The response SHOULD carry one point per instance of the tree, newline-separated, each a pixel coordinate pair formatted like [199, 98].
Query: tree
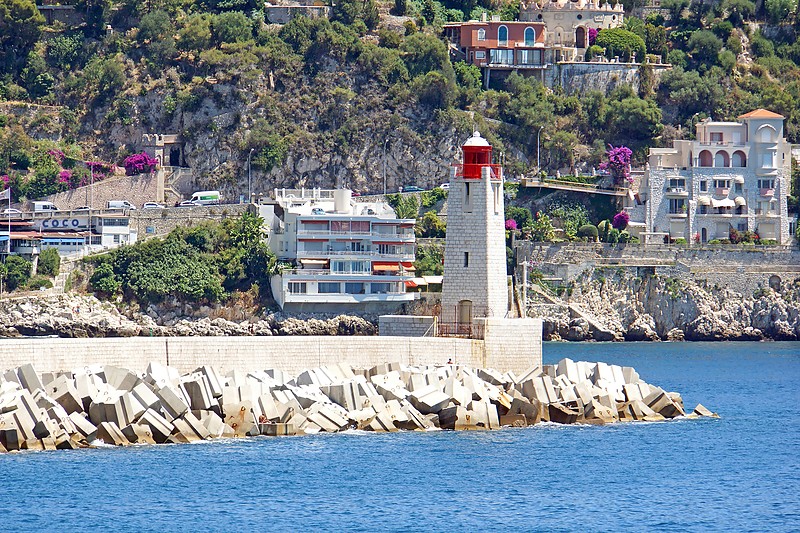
[704, 47]
[542, 229]
[424, 53]
[635, 118]
[104, 281]
[196, 33]
[622, 43]
[561, 147]
[20, 28]
[521, 215]
[231, 27]
[429, 260]
[780, 10]
[49, 263]
[738, 10]
[430, 226]
[404, 205]
[19, 271]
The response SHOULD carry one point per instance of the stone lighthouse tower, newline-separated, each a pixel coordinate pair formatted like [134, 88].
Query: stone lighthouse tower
[475, 282]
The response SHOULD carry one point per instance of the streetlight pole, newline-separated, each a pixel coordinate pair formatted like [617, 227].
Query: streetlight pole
[249, 177]
[384, 165]
[538, 164]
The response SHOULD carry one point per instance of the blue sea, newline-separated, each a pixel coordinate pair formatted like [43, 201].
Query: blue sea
[738, 473]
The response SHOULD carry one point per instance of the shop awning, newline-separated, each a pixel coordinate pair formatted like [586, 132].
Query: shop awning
[738, 179]
[408, 266]
[433, 280]
[725, 202]
[739, 201]
[314, 261]
[416, 282]
[386, 268]
[703, 200]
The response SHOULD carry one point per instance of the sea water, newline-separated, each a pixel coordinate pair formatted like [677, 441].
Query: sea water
[737, 473]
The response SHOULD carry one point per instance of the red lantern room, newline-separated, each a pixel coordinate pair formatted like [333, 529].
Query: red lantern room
[477, 153]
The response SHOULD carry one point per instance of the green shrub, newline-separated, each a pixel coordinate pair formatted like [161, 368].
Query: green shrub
[680, 241]
[49, 262]
[104, 281]
[588, 231]
[39, 282]
[18, 272]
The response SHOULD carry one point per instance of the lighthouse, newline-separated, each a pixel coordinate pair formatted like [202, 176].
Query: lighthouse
[475, 282]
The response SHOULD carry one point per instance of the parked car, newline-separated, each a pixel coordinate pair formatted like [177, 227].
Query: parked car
[11, 212]
[44, 206]
[152, 205]
[412, 188]
[445, 186]
[120, 204]
[82, 208]
[317, 211]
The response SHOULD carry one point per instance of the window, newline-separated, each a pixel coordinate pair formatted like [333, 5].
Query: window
[767, 160]
[766, 184]
[116, 239]
[480, 55]
[677, 206]
[380, 288]
[529, 57]
[716, 137]
[467, 198]
[354, 288]
[328, 287]
[466, 259]
[481, 34]
[677, 183]
[703, 209]
[340, 266]
[359, 226]
[530, 37]
[119, 222]
[297, 287]
[502, 36]
[742, 226]
[704, 186]
[501, 57]
[722, 184]
[737, 187]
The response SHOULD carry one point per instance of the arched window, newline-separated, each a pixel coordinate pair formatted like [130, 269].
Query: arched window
[721, 159]
[739, 159]
[766, 134]
[481, 34]
[705, 158]
[502, 36]
[530, 37]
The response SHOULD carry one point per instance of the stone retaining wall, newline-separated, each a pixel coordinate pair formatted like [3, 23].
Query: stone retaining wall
[150, 222]
[291, 354]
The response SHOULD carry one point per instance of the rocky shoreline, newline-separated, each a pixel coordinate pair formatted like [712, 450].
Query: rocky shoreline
[615, 305]
[79, 316]
[115, 406]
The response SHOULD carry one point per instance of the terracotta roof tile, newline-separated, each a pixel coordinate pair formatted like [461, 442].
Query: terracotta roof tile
[761, 113]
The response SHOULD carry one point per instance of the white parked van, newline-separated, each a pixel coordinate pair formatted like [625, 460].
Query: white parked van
[120, 204]
[39, 207]
[206, 198]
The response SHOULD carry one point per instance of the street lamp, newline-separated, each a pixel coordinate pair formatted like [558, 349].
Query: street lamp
[249, 177]
[538, 133]
[384, 165]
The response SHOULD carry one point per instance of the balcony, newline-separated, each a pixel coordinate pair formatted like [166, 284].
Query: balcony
[677, 192]
[677, 214]
[766, 193]
[366, 254]
[766, 213]
[722, 191]
[404, 236]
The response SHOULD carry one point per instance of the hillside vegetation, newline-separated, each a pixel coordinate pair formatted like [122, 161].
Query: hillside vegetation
[320, 102]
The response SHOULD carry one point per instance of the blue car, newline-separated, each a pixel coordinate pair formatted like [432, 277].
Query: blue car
[412, 188]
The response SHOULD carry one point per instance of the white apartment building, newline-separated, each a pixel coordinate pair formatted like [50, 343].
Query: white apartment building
[735, 175]
[346, 255]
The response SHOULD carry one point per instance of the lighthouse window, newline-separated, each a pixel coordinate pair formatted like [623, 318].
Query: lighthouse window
[466, 259]
[467, 199]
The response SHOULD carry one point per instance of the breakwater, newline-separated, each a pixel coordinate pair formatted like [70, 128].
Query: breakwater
[68, 410]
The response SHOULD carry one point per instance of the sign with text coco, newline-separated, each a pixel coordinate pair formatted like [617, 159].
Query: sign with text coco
[70, 223]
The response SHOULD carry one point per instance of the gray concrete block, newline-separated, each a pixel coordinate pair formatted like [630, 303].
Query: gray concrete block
[277, 430]
[213, 379]
[485, 414]
[528, 373]
[214, 424]
[196, 426]
[457, 392]
[10, 438]
[28, 378]
[532, 410]
[63, 391]
[83, 426]
[160, 426]
[569, 369]
[199, 392]
[171, 402]
[382, 423]
[120, 378]
[239, 416]
[562, 414]
[429, 400]
[458, 418]
[138, 434]
[182, 432]
[110, 433]
[632, 392]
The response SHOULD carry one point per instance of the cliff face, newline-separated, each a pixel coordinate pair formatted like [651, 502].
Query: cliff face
[617, 305]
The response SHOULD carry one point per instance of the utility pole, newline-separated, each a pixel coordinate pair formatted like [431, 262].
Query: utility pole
[249, 177]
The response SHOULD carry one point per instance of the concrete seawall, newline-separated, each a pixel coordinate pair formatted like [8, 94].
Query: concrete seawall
[290, 354]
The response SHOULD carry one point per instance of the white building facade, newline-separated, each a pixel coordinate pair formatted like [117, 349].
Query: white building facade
[346, 255]
[736, 175]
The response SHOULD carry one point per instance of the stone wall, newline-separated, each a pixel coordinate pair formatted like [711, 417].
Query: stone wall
[513, 344]
[151, 222]
[582, 77]
[291, 354]
[407, 326]
[136, 189]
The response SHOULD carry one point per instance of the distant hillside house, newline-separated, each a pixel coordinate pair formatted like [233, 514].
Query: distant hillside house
[282, 11]
[347, 255]
[568, 22]
[735, 175]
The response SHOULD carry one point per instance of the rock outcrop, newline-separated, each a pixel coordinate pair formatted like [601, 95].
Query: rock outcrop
[620, 306]
[78, 316]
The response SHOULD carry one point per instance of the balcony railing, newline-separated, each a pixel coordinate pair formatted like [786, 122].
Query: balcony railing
[401, 255]
[766, 193]
[358, 234]
[722, 191]
[474, 170]
[457, 329]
